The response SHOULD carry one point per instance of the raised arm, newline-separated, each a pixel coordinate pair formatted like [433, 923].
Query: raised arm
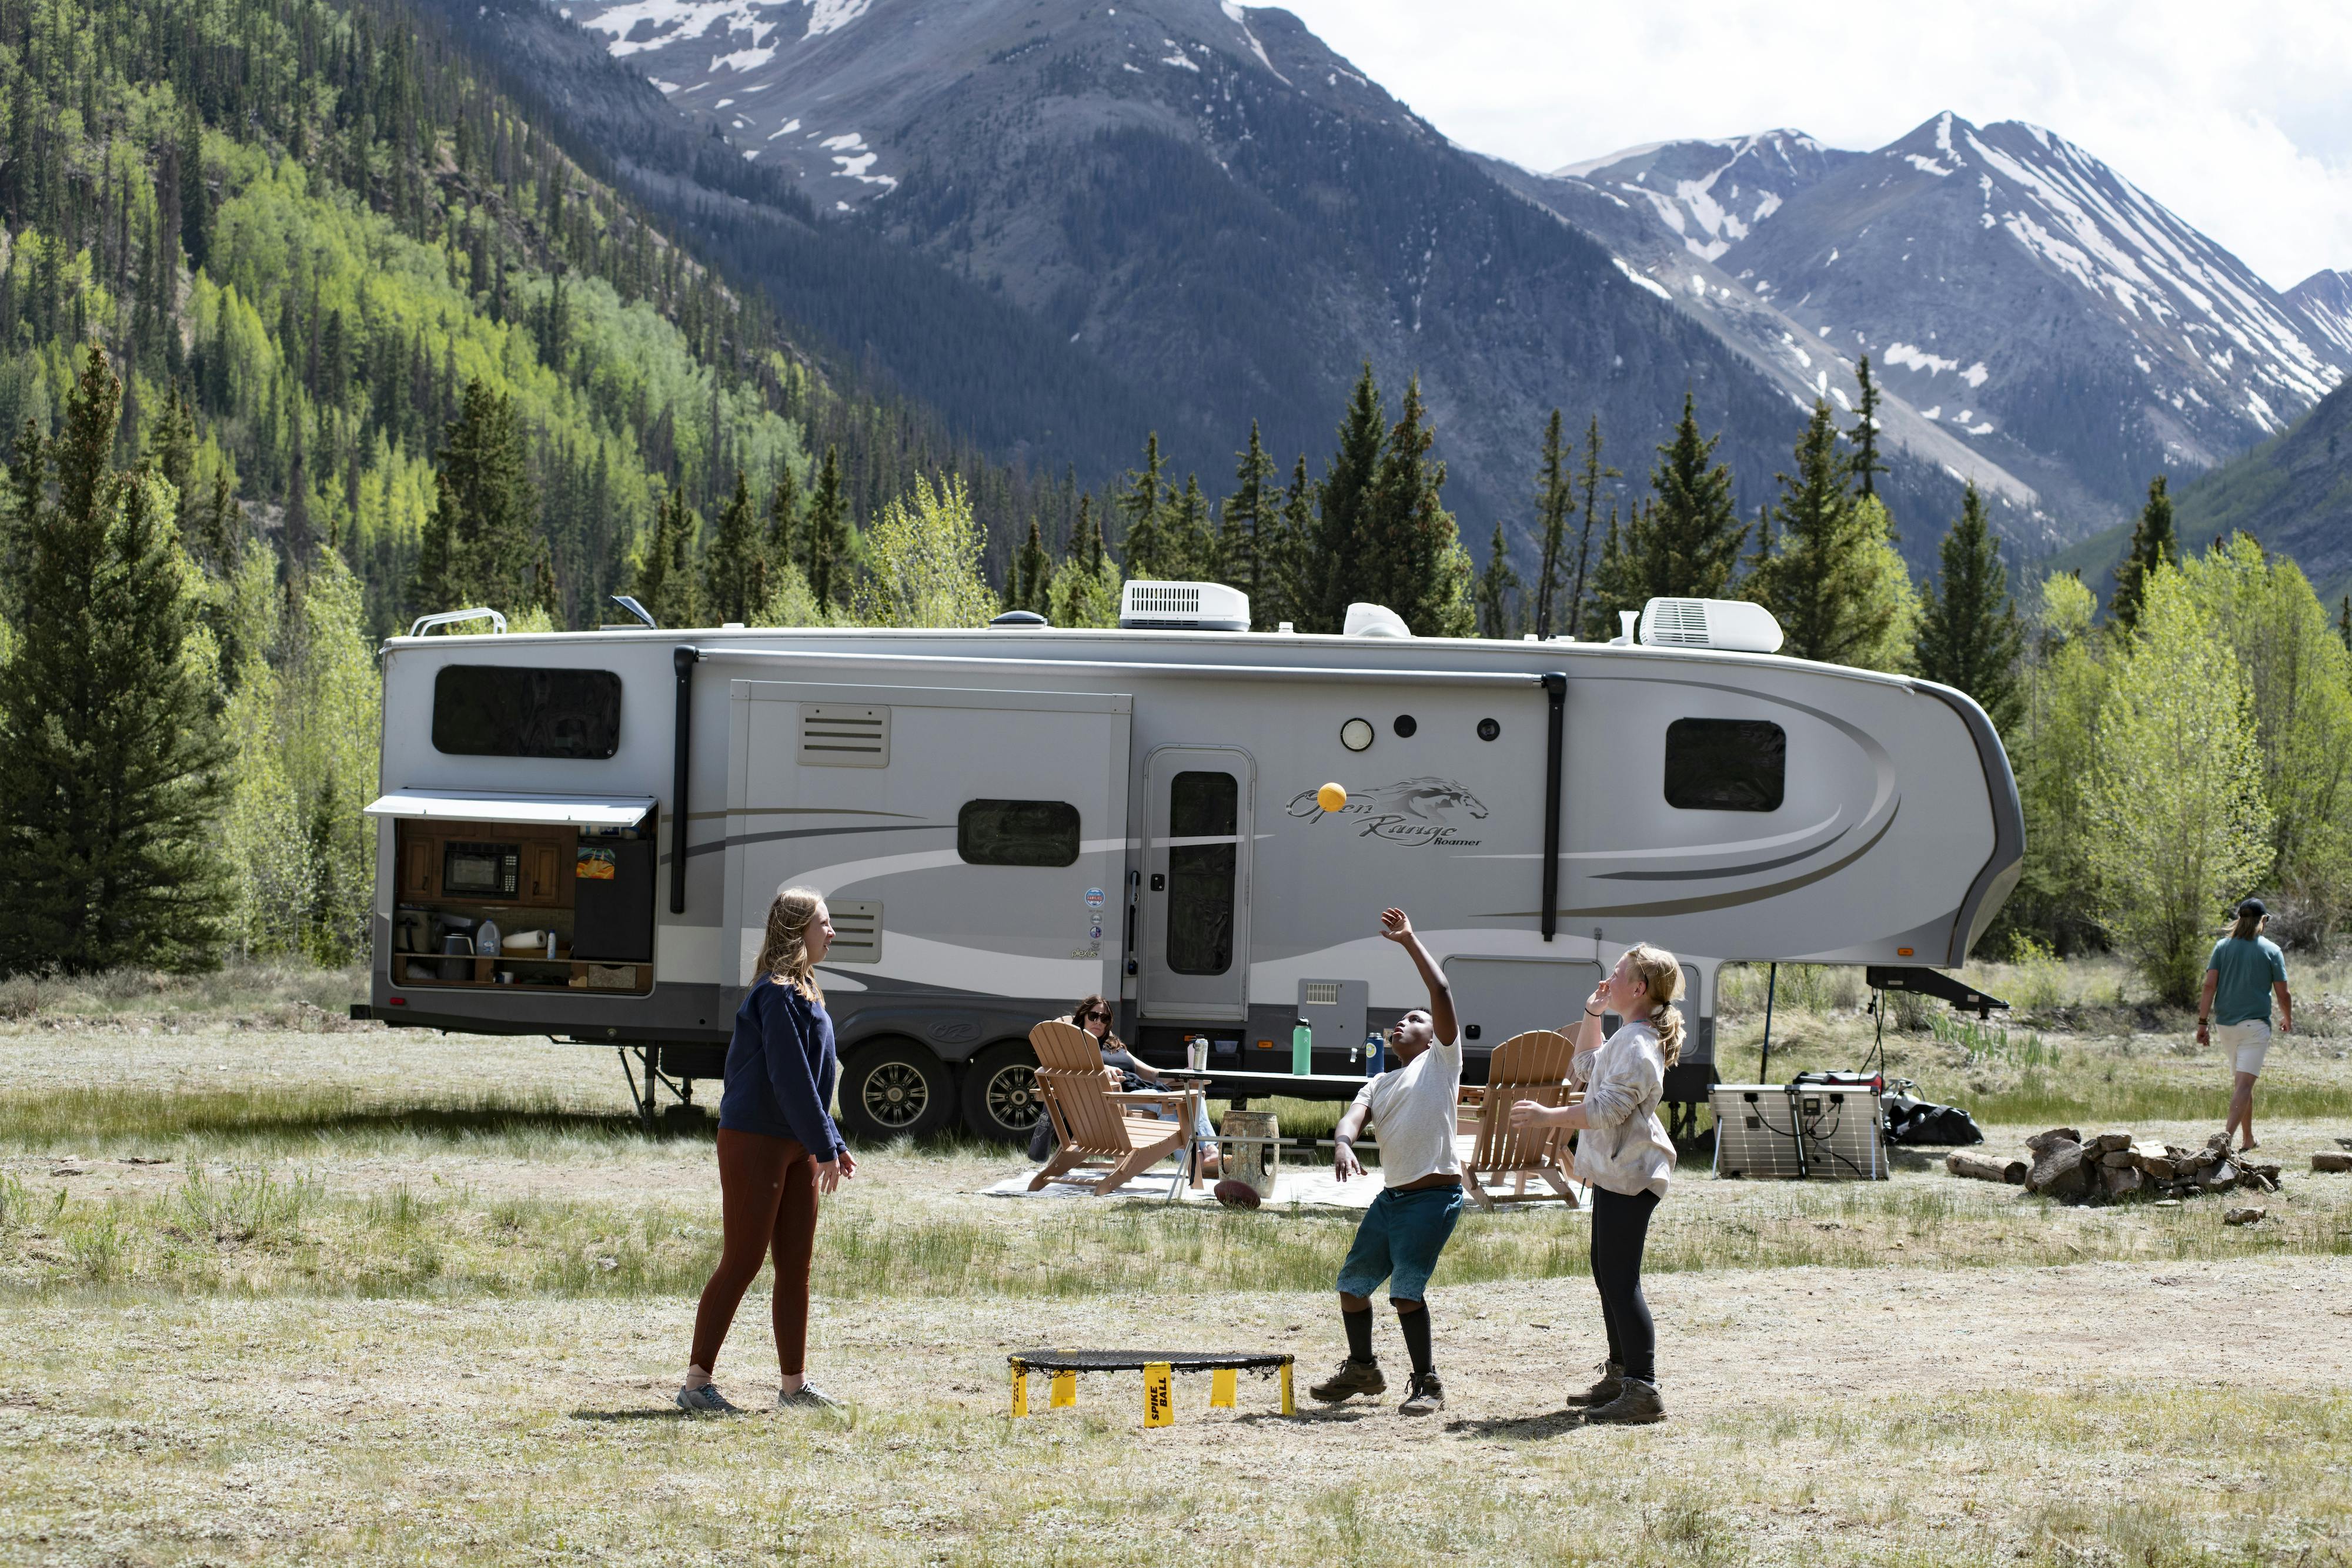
[1398, 928]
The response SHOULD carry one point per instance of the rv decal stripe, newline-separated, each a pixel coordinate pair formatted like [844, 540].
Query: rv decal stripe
[1706, 872]
[1684, 852]
[1720, 900]
[712, 846]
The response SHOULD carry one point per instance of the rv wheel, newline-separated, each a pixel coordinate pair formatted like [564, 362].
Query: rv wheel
[893, 1089]
[1001, 1100]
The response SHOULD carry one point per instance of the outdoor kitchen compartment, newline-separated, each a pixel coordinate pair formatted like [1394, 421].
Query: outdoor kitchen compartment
[613, 914]
[590, 892]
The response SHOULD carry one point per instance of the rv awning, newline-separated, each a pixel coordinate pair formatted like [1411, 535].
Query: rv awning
[538, 810]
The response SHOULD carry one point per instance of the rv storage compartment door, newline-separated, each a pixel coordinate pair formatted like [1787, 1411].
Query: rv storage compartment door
[1194, 941]
[970, 842]
[1497, 997]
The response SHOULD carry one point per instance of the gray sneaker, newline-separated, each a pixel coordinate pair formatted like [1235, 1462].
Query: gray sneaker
[705, 1397]
[1612, 1383]
[807, 1397]
[1426, 1397]
[1352, 1377]
[1638, 1405]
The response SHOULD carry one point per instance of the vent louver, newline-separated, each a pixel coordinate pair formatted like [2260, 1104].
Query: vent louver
[856, 932]
[1322, 993]
[834, 735]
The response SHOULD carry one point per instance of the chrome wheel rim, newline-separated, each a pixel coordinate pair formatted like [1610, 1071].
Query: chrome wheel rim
[1013, 1099]
[895, 1094]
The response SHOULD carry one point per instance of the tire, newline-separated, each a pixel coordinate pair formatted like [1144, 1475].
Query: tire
[893, 1089]
[1001, 1100]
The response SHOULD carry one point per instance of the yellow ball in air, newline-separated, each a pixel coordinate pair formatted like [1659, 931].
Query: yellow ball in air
[1331, 796]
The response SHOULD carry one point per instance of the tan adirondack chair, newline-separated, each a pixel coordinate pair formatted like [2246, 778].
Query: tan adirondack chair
[1530, 1066]
[1094, 1126]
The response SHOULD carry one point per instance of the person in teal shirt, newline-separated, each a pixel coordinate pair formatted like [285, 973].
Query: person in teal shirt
[2245, 969]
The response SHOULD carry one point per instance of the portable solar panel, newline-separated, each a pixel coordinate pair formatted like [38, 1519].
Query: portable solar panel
[1754, 1135]
[1842, 1126]
[1798, 1131]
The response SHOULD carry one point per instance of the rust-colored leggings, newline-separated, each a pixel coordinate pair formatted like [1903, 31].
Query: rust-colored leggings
[767, 1198]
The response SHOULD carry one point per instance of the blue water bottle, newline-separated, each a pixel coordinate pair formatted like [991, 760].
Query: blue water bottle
[1374, 1044]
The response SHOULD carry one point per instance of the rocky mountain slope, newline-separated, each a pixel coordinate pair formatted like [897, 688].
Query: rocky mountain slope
[1218, 212]
[2011, 289]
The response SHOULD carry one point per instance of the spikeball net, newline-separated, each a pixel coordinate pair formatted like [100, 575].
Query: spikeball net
[1159, 1367]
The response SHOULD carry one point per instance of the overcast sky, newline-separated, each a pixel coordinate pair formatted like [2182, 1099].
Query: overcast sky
[2237, 116]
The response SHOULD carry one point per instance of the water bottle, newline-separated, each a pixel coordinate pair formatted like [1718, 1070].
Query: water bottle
[1374, 1044]
[1302, 1047]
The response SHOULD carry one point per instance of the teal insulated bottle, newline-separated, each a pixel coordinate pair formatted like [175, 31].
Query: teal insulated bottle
[1302, 1048]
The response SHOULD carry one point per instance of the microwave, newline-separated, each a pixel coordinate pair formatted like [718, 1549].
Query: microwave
[481, 871]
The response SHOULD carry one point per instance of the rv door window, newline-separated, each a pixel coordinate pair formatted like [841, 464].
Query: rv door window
[500, 710]
[1201, 876]
[1726, 764]
[1017, 832]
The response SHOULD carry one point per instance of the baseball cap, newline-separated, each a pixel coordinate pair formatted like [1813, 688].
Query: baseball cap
[2251, 906]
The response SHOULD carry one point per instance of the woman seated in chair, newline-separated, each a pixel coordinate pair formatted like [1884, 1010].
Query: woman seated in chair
[1093, 1015]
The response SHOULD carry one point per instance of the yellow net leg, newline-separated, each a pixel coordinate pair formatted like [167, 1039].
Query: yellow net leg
[1288, 1407]
[1221, 1389]
[1065, 1391]
[1159, 1405]
[1020, 1391]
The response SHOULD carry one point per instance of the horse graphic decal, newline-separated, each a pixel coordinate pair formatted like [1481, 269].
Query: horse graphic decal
[1424, 810]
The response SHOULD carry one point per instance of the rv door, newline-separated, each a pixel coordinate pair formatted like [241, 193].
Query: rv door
[1194, 934]
[968, 842]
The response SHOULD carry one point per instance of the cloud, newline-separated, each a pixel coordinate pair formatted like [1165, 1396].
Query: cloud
[2233, 115]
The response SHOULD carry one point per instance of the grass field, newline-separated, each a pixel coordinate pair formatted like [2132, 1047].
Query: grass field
[276, 1290]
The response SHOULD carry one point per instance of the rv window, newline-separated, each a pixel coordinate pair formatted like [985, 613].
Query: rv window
[498, 710]
[1726, 764]
[1201, 876]
[1017, 832]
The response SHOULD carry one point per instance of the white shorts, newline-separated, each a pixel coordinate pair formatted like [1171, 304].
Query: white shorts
[2249, 1042]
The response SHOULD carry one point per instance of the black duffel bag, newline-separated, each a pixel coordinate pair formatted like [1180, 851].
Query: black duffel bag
[1911, 1120]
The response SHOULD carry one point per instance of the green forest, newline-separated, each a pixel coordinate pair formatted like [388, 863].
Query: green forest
[305, 332]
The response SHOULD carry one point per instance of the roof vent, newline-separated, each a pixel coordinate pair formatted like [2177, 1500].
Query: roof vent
[1183, 607]
[1375, 620]
[1731, 625]
[1019, 618]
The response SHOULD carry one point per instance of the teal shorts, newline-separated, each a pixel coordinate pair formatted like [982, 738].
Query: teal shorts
[1398, 1241]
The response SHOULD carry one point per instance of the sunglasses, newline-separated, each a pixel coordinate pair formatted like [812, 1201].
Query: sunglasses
[1091, 1018]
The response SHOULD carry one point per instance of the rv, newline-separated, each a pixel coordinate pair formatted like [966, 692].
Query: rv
[580, 833]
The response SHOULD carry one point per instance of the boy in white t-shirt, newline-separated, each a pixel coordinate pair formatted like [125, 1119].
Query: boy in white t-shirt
[1413, 1106]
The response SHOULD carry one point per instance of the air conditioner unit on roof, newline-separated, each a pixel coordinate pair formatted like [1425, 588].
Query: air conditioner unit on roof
[1729, 624]
[1183, 607]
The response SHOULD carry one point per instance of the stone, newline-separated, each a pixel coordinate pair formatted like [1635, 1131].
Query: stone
[2159, 1167]
[2041, 1143]
[2108, 1143]
[2221, 1174]
[2059, 1161]
[2245, 1216]
[2148, 1149]
[2120, 1180]
[2331, 1161]
[2119, 1159]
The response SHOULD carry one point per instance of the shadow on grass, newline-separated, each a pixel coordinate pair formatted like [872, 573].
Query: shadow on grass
[1531, 1428]
[304, 1114]
[610, 1417]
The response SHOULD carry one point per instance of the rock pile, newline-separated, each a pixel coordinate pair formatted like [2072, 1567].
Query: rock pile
[2068, 1166]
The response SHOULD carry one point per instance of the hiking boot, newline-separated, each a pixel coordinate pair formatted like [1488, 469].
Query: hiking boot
[807, 1397]
[1352, 1377]
[1638, 1404]
[1612, 1383]
[1426, 1397]
[706, 1397]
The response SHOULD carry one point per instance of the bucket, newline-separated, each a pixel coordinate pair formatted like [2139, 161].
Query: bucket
[1254, 1164]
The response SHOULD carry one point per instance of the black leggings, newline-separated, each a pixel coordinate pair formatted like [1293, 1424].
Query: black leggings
[1619, 1226]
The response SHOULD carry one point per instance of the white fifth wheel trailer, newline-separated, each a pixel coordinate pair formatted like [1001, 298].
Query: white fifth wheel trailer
[1006, 819]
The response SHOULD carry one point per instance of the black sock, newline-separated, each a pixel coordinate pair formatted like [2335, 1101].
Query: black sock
[1414, 1326]
[1359, 1334]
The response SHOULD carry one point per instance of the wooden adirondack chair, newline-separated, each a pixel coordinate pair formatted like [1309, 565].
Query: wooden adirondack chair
[1093, 1127]
[1530, 1066]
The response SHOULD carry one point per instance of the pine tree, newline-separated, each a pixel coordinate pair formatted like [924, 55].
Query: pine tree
[735, 571]
[1864, 434]
[29, 481]
[1032, 570]
[2344, 623]
[1085, 588]
[1497, 583]
[2153, 544]
[1593, 474]
[665, 579]
[1148, 554]
[784, 546]
[196, 197]
[110, 755]
[1616, 582]
[486, 513]
[1693, 533]
[1970, 634]
[1555, 499]
[1292, 557]
[1332, 566]
[1250, 522]
[1189, 552]
[171, 449]
[1411, 557]
[828, 534]
[1816, 581]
